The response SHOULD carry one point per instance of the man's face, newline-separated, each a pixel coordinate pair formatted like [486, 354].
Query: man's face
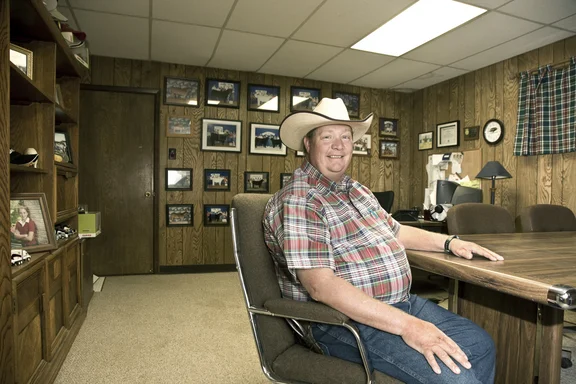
[330, 150]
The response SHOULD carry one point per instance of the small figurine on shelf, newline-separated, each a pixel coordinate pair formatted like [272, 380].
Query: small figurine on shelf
[19, 256]
[63, 231]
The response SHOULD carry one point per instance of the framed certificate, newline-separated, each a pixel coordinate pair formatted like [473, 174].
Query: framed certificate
[448, 134]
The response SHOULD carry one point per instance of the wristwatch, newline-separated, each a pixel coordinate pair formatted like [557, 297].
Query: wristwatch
[447, 243]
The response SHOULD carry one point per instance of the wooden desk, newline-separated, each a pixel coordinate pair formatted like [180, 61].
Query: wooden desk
[514, 300]
[432, 226]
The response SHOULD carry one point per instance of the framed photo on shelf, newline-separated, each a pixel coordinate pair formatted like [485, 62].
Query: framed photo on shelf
[223, 93]
[216, 215]
[263, 98]
[179, 215]
[425, 140]
[256, 182]
[472, 133]
[23, 59]
[221, 135]
[304, 99]
[62, 151]
[389, 149]
[179, 91]
[178, 126]
[284, 178]
[388, 127]
[351, 101]
[178, 179]
[448, 134]
[31, 227]
[217, 180]
[363, 146]
[265, 140]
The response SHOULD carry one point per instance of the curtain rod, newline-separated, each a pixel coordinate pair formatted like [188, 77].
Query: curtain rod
[553, 65]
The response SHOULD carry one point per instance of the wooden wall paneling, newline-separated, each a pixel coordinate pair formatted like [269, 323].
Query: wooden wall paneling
[44, 65]
[569, 163]
[370, 97]
[136, 74]
[405, 164]
[481, 113]
[559, 54]
[388, 112]
[468, 99]
[498, 72]
[545, 56]
[364, 162]
[102, 70]
[160, 71]
[509, 118]
[122, 72]
[418, 177]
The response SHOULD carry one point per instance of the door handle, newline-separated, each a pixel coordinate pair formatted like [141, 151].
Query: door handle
[149, 194]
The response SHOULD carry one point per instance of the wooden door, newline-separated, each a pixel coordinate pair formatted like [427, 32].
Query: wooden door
[117, 167]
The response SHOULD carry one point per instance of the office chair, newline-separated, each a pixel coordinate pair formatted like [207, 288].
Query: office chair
[386, 199]
[472, 218]
[279, 325]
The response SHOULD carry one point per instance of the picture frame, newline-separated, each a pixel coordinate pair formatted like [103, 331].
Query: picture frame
[472, 133]
[217, 180]
[178, 126]
[448, 134]
[256, 182]
[216, 215]
[304, 99]
[221, 135]
[387, 127]
[29, 210]
[265, 140]
[363, 146]
[179, 215]
[23, 59]
[178, 179]
[263, 98]
[62, 150]
[351, 101]
[284, 178]
[181, 91]
[425, 140]
[388, 149]
[222, 93]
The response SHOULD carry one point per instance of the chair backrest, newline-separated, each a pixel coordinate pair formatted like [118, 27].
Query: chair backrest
[545, 218]
[386, 199]
[471, 218]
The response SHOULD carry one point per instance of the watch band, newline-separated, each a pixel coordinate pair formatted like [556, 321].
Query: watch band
[447, 243]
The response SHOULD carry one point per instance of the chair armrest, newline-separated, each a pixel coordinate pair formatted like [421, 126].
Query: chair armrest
[306, 310]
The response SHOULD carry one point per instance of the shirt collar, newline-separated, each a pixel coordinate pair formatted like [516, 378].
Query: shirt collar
[323, 183]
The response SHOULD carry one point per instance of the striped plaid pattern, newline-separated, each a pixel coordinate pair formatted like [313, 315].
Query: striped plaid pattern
[313, 223]
[547, 112]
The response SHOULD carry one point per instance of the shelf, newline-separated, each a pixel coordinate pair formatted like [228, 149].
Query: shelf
[23, 90]
[65, 215]
[66, 169]
[29, 19]
[62, 243]
[22, 169]
[62, 116]
[35, 258]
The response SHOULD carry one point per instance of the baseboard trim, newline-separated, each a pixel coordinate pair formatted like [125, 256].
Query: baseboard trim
[209, 268]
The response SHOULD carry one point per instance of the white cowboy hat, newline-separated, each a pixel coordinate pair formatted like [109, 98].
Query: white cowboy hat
[328, 111]
[52, 7]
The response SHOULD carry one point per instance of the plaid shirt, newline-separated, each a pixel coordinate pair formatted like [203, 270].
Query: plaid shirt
[314, 222]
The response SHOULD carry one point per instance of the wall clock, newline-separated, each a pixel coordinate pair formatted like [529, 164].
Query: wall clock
[493, 131]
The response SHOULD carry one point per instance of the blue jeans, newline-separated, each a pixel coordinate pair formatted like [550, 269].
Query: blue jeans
[389, 353]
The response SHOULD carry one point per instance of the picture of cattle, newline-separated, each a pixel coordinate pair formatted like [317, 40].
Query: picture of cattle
[263, 98]
[216, 215]
[265, 140]
[179, 91]
[363, 145]
[284, 178]
[216, 179]
[256, 182]
[304, 99]
[388, 127]
[178, 126]
[223, 93]
[351, 101]
[388, 149]
[179, 215]
[221, 135]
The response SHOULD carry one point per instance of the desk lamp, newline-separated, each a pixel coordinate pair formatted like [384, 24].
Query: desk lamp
[493, 170]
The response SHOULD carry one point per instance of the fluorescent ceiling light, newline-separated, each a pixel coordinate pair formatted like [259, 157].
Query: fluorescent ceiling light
[417, 25]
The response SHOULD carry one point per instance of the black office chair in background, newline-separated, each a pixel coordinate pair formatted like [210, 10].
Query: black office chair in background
[386, 199]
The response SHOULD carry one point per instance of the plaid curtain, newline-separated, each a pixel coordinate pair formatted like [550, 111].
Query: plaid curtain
[547, 111]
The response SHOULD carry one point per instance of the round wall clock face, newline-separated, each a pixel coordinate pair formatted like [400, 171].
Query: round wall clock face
[493, 131]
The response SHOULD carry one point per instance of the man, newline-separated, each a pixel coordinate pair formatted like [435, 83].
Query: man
[332, 242]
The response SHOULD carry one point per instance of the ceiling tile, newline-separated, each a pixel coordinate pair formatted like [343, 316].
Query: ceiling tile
[486, 4]
[298, 59]
[195, 48]
[124, 36]
[201, 12]
[434, 77]
[68, 14]
[271, 17]
[394, 73]
[343, 22]
[243, 51]
[124, 7]
[536, 39]
[349, 65]
[466, 40]
[542, 11]
[568, 23]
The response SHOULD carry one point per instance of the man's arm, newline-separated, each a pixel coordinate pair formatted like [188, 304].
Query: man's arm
[419, 239]
[424, 337]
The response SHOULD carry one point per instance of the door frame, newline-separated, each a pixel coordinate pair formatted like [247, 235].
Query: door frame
[156, 176]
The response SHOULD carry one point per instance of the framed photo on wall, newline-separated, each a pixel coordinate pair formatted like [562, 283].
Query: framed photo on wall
[388, 127]
[448, 134]
[62, 150]
[216, 215]
[178, 126]
[284, 178]
[179, 215]
[351, 101]
[22, 58]
[223, 93]
[256, 182]
[304, 99]
[221, 135]
[363, 146]
[265, 140]
[179, 91]
[425, 140]
[389, 149]
[217, 180]
[31, 227]
[178, 179]
[472, 133]
[263, 98]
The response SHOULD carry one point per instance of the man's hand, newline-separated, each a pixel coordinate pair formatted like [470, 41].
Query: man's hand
[425, 338]
[467, 250]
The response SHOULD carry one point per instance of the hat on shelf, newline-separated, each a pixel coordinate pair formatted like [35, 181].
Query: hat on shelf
[68, 30]
[52, 7]
[28, 159]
